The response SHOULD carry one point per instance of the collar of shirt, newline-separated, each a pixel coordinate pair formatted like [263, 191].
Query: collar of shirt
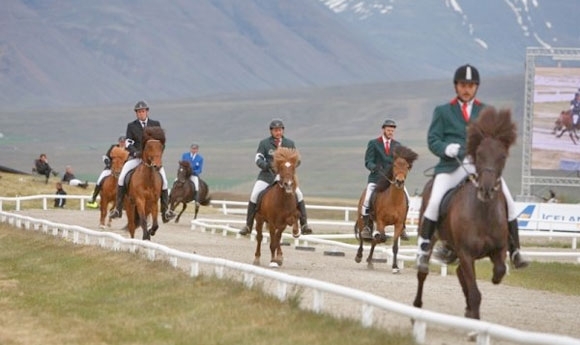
[469, 106]
[385, 140]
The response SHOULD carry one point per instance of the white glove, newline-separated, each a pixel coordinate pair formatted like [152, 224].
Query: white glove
[452, 150]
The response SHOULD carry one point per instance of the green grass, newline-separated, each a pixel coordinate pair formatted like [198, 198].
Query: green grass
[554, 277]
[54, 292]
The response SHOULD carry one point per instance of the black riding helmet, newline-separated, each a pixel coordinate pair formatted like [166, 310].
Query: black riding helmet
[466, 73]
[389, 123]
[276, 123]
[141, 105]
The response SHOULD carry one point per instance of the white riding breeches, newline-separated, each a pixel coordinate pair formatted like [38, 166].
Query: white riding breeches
[445, 181]
[132, 164]
[575, 119]
[365, 206]
[195, 180]
[103, 174]
[260, 185]
[370, 188]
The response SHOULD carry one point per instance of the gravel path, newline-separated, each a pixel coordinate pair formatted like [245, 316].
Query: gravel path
[521, 308]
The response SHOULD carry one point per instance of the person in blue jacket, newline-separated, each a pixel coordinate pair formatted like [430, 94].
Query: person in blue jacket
[195, 159]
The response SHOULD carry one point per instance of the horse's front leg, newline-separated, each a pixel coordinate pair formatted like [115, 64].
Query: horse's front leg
[398, 231]
[561, 133]
[466, 276]
[154, 215]
[279, 255]
[274, 244]
[140, 207]
[180, 213]
[499, 267]
[259, 227]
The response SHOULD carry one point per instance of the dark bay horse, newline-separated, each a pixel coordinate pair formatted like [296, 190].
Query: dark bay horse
[278, 206]
[564, 124]
[108, 191]
[389, 207]
[183, 190]
[474, 224]
[145, 184]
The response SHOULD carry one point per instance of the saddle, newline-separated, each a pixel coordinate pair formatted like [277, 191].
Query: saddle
[446, 200]
[261, 195]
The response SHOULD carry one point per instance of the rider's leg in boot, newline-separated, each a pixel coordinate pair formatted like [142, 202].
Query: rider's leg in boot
[305, 229]
[166, 213]
[423, 241]
[367, 232]
[514, 245]
[251, 213]
[117, 212]
[93, 202]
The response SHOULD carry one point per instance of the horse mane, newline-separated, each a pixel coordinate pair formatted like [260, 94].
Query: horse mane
[491, 124]
[400, 152]
[155, 133]
[187, 166]
[284, 154]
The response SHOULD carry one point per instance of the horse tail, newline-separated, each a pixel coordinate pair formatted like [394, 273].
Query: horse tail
[207, 198]
[356, 234]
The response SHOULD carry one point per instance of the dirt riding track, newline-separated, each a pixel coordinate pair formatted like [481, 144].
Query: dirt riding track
[510, 306]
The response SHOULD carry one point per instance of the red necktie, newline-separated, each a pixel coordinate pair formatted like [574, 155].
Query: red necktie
[388, 147]
[465, 113]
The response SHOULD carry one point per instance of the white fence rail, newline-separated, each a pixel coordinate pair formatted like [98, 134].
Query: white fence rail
[485, 331]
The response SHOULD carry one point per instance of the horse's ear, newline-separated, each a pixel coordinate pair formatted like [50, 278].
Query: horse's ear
[298, 163]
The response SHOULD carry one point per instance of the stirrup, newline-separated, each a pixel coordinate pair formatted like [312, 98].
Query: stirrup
[305, 229]
[366, 233]
[518, 260]
[245, 231]
[445, 254]
[114, 214]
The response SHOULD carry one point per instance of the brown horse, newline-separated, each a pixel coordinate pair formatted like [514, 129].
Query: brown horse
[108, 191]
[183, 191]
[278, 206]
[390, 206]
[474, 223]
[564, 124]
[145, 184]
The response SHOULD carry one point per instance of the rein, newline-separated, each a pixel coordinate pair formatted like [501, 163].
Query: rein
[473, 177]
[149, 165]
[392, 182]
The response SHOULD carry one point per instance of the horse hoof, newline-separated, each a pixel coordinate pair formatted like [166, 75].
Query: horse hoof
[273, 265]
[102, 227]
[370, 266]
[357, 259]
[396, 271]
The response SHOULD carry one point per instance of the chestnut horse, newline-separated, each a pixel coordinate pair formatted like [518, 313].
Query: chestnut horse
[109, 185]
[145, 184]
[389, 207]
[474, 223]
[183, 190]
[565, 123]
[278, 205]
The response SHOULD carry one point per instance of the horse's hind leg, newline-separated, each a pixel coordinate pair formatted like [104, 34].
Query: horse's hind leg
[259, 226]
[359, 252]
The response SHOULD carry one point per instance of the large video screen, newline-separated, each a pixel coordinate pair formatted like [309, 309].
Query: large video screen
[555, 137]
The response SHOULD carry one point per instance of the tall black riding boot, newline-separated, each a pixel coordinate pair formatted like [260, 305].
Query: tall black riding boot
[304, 227]
[117, 212]
[250, 214]
[166, 213]
[367, 231]
[514, 245]
[426, 233]
[95, 193]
